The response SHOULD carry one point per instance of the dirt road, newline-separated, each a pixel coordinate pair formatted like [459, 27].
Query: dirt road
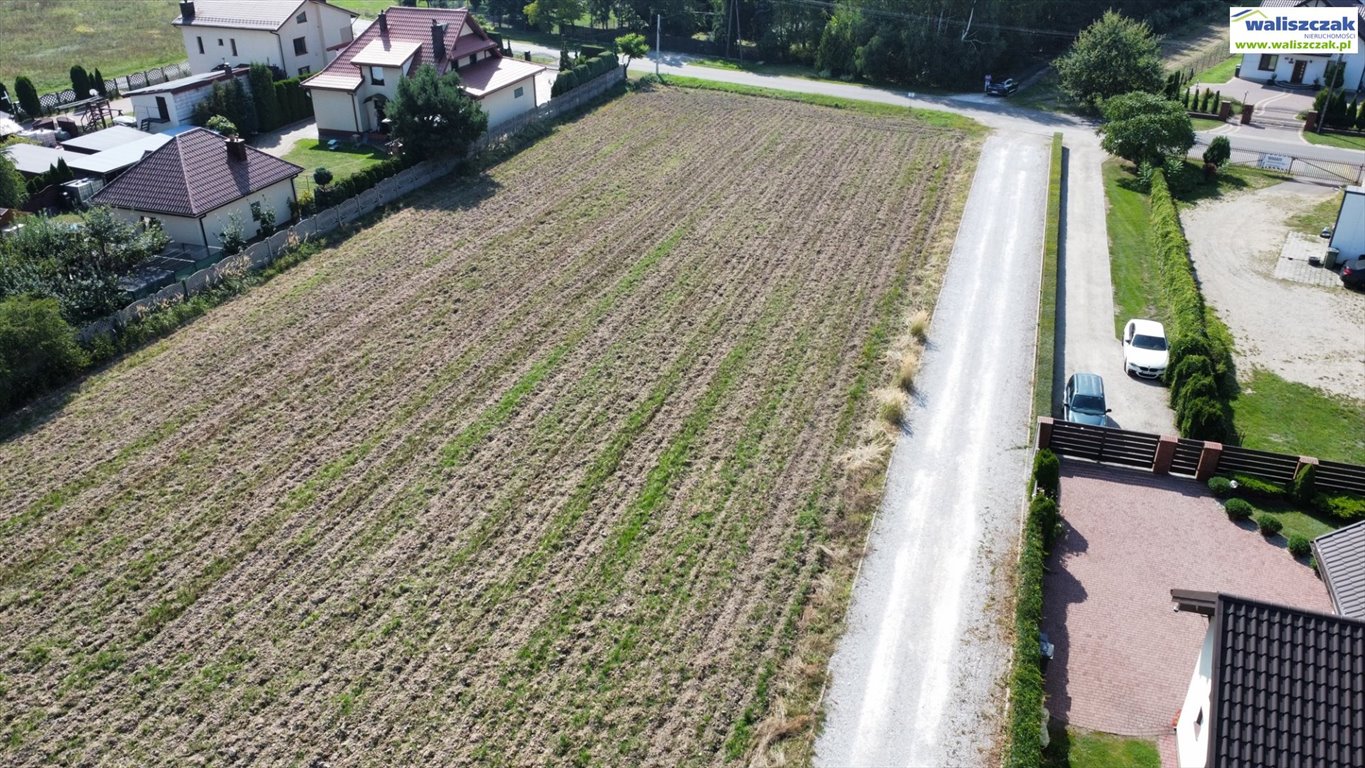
[914, 676]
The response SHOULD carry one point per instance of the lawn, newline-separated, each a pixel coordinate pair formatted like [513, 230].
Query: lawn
[526, 472]
[1283, 416]
[345, 160]
[1205, 124]
[1221, 72]
[43, 39]
[1079, 749]
[1132, 263]
[1341, 140]
[1311, 221]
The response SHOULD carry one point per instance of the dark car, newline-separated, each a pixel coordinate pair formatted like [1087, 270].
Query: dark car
[1002, 87]
[1083, 400]
[1353, 273]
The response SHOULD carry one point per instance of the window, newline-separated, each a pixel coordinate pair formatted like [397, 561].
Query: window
[1268, 62]
[517, 94]
[200, 40]
[304, 71]
[302, 17]
[220, 42]
[300, 46]
[233, 41]
[376, 75]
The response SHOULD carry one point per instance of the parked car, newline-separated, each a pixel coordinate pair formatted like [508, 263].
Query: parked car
[1326, 233]
[1083, 400]
[1002, 87]
[1145, 352]
[1353, 273]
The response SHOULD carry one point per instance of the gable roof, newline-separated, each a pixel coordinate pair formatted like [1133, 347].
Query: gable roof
[1341, 561]
[191, 175]
[494, 74]
[407, 27]
[245, 14]
[1287, 687]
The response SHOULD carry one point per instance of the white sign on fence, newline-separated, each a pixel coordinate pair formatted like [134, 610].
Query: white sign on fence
[1276, 162]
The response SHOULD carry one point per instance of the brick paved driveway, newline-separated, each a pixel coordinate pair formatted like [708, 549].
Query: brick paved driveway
[1123, 657]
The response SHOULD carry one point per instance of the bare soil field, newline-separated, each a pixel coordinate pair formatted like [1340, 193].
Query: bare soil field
[548, 467]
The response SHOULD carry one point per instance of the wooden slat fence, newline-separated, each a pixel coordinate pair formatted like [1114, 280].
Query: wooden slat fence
[1341, 477]
[1275, 467]
[1185, 459]
[1105, 445]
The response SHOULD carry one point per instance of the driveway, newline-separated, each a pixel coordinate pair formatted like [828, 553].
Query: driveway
[1305, 333]
[915, 676]
[1123, 658]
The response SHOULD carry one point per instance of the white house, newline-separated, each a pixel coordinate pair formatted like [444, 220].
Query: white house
[197, 182]
[298, 36]
[1308, 68]
[1348, 236]
[350, 94]
[1273, 686]
[166, 105]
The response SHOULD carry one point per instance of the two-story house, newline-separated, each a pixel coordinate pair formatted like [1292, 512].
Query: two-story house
[298, 36]
[350, 94]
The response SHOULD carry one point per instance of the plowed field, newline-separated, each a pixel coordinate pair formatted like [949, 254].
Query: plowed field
[545, 467]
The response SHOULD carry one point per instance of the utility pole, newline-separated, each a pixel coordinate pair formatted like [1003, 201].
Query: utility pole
[658, 41]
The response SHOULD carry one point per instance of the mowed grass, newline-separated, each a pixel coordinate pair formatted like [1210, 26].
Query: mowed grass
[1274, 414]
[43, 39]
[346, 160]
[1220, 72]
[1132, 263]
[1340, 140]
[526, 472]
[1079, 749]
[1321, 214]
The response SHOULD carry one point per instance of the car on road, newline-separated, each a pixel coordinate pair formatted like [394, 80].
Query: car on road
[1353, 273]
[1002, 87]
[1083, 400]
[1145, 352]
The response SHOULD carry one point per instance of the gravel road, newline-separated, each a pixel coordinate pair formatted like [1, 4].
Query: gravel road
[915, 675]
[1301, 332]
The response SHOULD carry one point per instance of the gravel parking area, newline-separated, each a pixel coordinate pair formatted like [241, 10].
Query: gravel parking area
[1123, 658]
[1301, 332]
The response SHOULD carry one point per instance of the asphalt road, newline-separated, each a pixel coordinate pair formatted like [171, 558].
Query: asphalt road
[914, 675]
[1252, 139]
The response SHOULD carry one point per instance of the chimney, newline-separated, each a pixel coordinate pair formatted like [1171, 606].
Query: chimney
[187, 10]
[384, 23]
[236, 150]
[438, 41]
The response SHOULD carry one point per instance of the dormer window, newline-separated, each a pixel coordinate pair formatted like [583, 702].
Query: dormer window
[376, 75]
[302, 17]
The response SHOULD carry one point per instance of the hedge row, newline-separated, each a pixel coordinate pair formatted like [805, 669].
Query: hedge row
[1027, 719]
[349, 187]
[1200, 352]
[585, 70]
[1345, 507]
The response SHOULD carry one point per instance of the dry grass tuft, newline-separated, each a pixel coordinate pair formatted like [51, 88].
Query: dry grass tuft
[892, 408]
[909, 368]
[919, 326]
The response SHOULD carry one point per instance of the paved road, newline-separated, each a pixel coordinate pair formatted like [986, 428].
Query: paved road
[914, 675]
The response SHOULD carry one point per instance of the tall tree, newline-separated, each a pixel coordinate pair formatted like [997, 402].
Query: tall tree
[1115, 55]
[433, 117]
[12, 190]
[268, 114]
[1144, 127]
[548, 14]
[28, 97]
[80, 82]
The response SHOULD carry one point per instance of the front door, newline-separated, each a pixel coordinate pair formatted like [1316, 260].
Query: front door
[1297, 76]
[162, 111]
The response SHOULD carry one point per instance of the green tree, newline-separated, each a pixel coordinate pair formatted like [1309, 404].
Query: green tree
[1219, 151]
[37, 348]
[1113, 56]
[97, 82]
[221, 125]
[268, 113]
[433, 117]
[548, 14]
[632, 46]
[13, 193]
[322, 177]
[28, 97]
[80, 82]
[1144, 127]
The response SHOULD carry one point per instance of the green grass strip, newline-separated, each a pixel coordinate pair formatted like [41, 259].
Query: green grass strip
[931, 117]
[1044, 373]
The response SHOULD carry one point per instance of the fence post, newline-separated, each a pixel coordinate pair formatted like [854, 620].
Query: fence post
[1208, 461]
[1165, 453]
[1044, 432]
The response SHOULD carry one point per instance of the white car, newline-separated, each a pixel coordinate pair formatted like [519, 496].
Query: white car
[1145, 351]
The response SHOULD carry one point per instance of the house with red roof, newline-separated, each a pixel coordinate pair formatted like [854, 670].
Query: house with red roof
[196, 183]
[350, 94]
[298, 36]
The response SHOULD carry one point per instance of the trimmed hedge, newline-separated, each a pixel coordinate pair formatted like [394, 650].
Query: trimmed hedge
[349, 187]
[1200, 403]
[1268, 524]
[1220, 487]
[1347, 507]
[1238, 509]
[1300, 546]
[582, 72]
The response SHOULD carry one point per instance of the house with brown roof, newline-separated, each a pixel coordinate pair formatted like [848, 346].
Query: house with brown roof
[350, 94]
[1273, 686]
[197, 182]
[298, 36]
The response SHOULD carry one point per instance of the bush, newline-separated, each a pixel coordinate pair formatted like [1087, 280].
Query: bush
[359, 182]
[1203, 419]
[1237, 509]
[37, 348]
[1220, 487]
[27, 96]
[1268, 524]
[1347, 507]
[1047, 517]
[1219, 151]
[1304, 479]
[1047, 470]
[1250, 487]
[1300, 546]
[322, 177]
